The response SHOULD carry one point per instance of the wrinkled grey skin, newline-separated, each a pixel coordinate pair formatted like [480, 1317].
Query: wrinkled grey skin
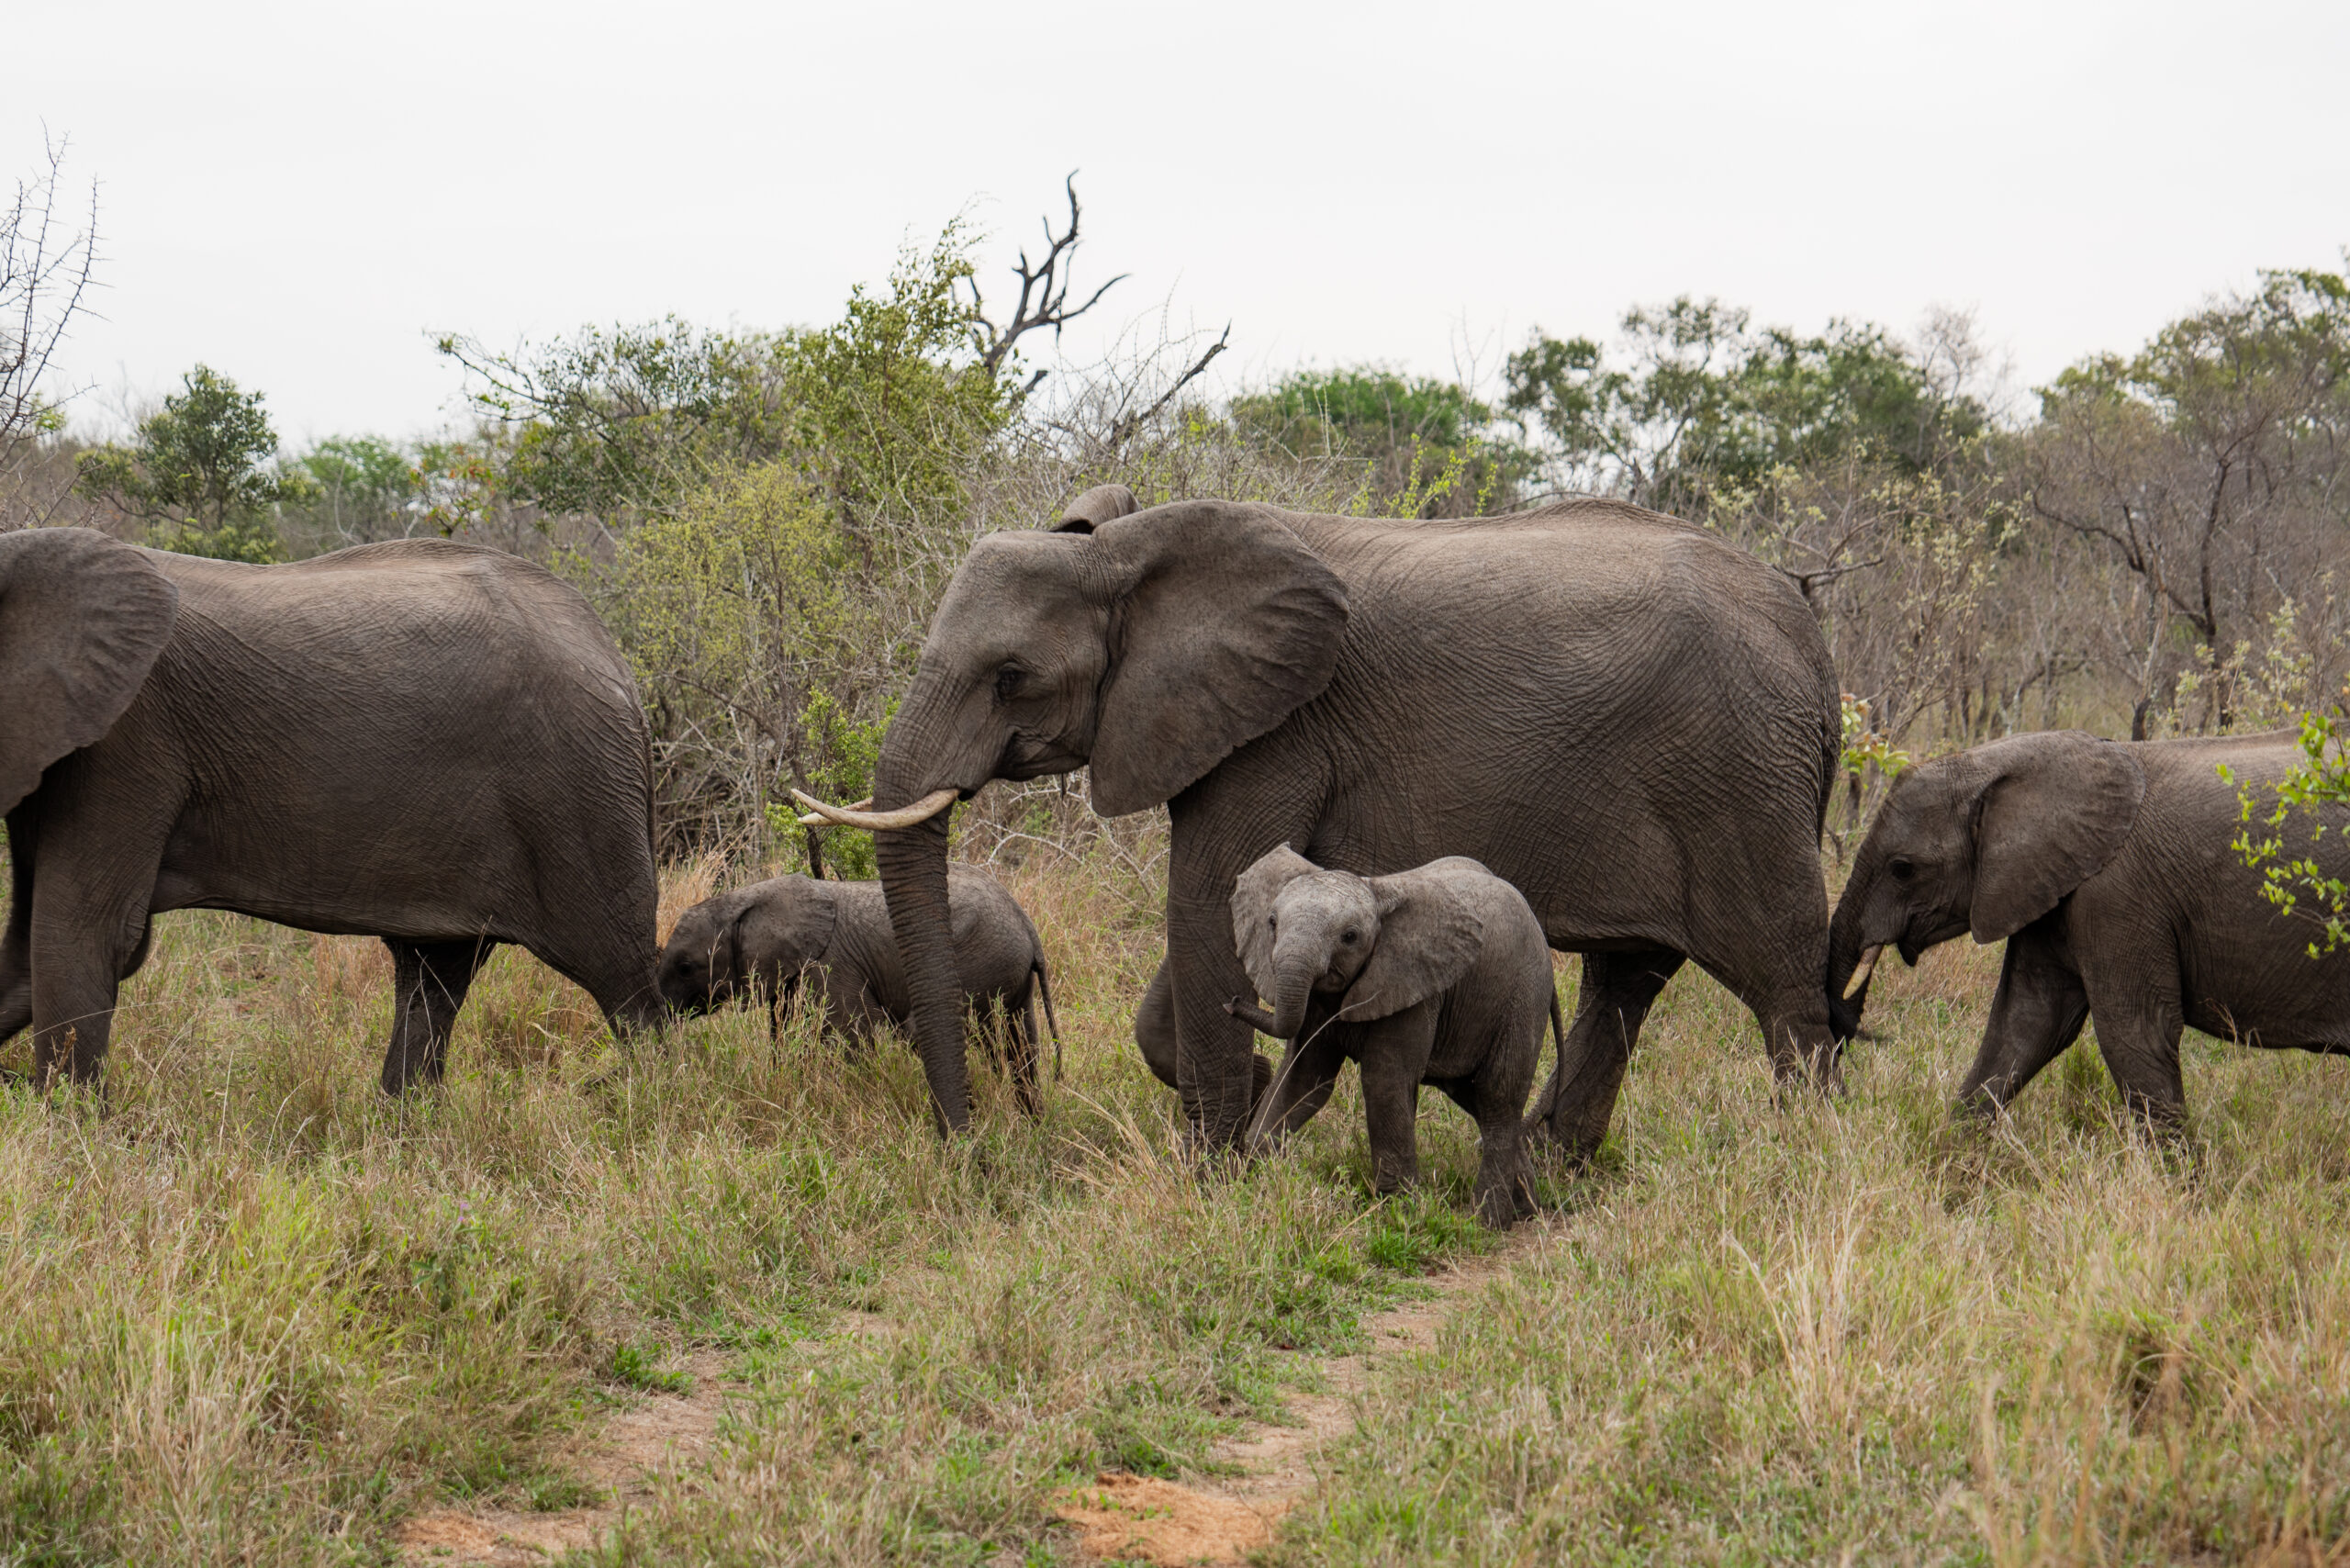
[2107, 868]
[1630, 721]
[1438, 975]
[426, 742]
[765, 938]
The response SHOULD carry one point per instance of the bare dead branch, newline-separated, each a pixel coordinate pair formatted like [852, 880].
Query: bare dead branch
[1043, 294]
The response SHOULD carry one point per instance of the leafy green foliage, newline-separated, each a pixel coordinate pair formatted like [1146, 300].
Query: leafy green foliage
[1695, 397]
[1430, 447]
[740, 615]
[362, 489]
[2319, 779]
[626, 420]
[202, 471]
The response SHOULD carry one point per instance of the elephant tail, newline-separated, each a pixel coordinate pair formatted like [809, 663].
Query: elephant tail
[1548, 1098]
[1044, 986]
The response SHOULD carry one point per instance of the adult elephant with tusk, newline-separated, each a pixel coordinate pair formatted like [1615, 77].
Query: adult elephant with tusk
[1633, 722]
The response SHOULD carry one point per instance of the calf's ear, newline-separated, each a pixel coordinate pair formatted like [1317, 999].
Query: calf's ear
[789, 922]
[1427, 937]
[83, 617]
[2054, 809]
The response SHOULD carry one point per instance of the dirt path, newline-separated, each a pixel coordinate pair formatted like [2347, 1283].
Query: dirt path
[1138, 1517]
[631, 1453]
[667, 1437]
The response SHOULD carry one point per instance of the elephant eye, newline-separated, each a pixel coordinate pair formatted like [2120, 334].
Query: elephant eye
[1348, 938]
[1272, 922]
[1007, 681]
[1902, 870]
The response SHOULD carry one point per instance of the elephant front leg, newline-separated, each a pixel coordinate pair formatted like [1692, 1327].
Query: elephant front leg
[1160, 1042]
[430, 980]
[2036, 1013]
[1217, 1068]
[1390, 1101]
[1617, 990]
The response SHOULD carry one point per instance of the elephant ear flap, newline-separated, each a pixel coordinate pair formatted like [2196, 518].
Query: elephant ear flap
[795, 915]
[1427, 937]
[1253, 896]
[2056, 809]
[1221, 624]
[83, 617]
[1103, 503]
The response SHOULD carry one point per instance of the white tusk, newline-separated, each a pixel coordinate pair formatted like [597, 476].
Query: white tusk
[921, 810]
[811, 819]
[1862, 970]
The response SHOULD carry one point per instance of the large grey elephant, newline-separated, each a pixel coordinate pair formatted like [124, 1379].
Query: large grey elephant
[762, 939]
[1435, 975]
[422, 741]
[2107, 866]
[1631, 721]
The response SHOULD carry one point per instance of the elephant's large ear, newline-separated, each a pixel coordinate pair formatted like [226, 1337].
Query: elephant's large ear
[81, 620]
[1252, 911]
[2057, 807]
[1222, 622]
[1103, 503]
[795, 916]
[1428, 936]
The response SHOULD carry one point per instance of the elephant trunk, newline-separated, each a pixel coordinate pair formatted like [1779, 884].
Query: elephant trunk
[1851, 959]
[913, 880]
[1294, 980]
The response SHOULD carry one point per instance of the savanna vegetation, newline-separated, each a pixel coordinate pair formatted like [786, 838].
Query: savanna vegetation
[261, 1313]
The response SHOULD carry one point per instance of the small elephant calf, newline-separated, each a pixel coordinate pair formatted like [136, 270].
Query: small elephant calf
[1439, 975]
[766, 937]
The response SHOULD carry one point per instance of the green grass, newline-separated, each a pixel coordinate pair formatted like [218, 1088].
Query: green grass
[258, 1313]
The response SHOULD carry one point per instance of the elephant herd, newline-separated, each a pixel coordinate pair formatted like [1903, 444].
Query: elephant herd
[1445, 747]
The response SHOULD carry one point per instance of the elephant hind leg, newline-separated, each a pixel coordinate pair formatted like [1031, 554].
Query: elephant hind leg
[1619, 988]
[429, 984]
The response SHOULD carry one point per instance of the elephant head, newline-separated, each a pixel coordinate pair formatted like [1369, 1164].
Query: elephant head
[1147, 645]
[1380, 943]
[83, 617]
[762, 934]
[1988, 841]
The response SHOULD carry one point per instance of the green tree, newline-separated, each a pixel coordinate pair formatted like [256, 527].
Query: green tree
[1694, 399]
[361, 489]
[202, 473]
[1430, 446]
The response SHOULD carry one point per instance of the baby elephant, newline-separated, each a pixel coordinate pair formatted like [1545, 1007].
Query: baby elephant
[765, 938]
[1439, 975]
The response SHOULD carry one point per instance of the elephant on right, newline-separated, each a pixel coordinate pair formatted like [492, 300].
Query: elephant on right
[2109, 869]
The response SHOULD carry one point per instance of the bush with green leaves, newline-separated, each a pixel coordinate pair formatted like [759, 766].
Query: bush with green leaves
[1426, 448]
[201, 472]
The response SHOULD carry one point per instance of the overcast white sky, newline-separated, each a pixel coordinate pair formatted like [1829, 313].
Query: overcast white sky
[299, 194]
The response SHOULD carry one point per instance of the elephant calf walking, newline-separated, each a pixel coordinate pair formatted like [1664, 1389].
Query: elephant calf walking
[2109, 868]
[766, 938]
[1438, 975]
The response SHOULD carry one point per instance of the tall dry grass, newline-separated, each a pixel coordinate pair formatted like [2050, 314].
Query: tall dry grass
[258, 1313]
